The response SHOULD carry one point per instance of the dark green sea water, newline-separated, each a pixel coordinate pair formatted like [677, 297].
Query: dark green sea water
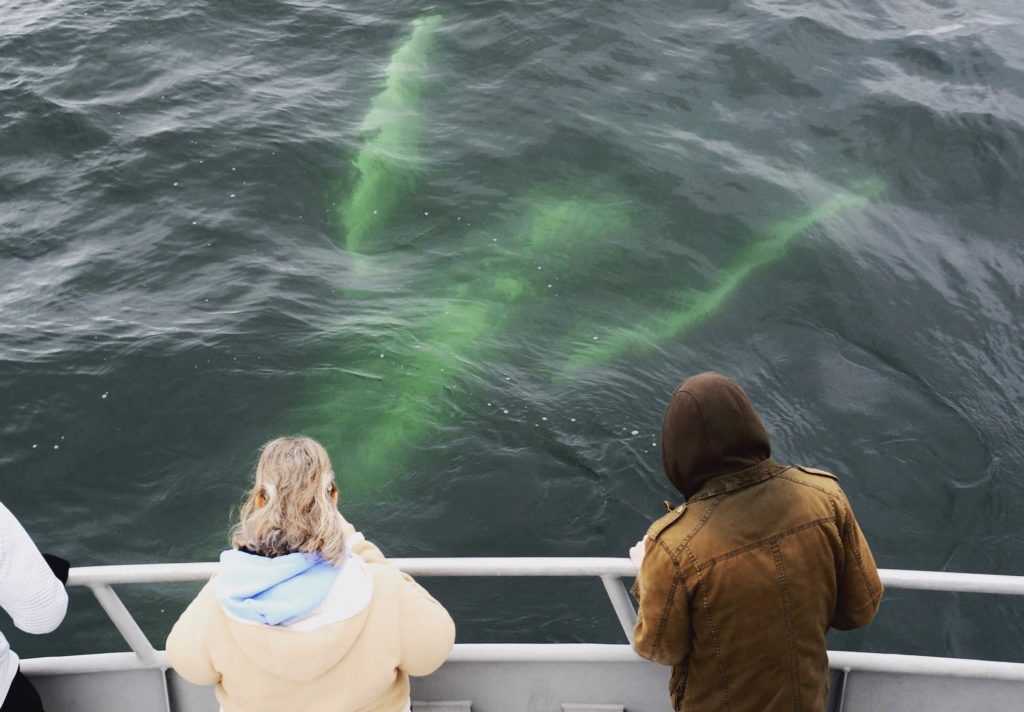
[177, 286]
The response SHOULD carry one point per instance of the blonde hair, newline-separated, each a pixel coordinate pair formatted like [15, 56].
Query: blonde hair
[290, 507]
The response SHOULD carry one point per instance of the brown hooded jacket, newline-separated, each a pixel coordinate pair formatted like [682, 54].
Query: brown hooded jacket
[739, 586]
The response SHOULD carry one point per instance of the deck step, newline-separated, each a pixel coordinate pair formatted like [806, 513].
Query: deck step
[591, 707]
[457, 706]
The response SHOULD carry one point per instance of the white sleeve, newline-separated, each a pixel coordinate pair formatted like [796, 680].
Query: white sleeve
[29, 592]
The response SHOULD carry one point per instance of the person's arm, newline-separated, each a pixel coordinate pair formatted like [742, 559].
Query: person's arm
[186, 643]
[662, 632]
[428, 632]
[358, 545]
[859, 587]
[29, 592]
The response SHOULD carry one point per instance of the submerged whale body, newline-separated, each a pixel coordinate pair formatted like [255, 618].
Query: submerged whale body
[387, 167]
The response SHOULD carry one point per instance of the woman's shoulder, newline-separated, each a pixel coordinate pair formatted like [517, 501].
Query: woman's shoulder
[206, 600]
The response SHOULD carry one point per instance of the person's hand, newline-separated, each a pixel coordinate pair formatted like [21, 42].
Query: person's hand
[636, 553]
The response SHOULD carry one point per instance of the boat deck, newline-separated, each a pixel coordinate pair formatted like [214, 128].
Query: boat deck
[531, 677]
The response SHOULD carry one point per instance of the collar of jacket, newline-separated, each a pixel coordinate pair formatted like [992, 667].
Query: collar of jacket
[738, 480]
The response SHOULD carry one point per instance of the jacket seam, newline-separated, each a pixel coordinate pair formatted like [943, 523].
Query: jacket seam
[672, 555]
[732, 488]
[771, 540]
[841, 549]
[783, 476]
[787, 607]
[693, 532]
[659, 634]
[765, 470]
[848, 527]
[714, 630]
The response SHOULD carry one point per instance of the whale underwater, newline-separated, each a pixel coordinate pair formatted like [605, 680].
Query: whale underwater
[381, 407]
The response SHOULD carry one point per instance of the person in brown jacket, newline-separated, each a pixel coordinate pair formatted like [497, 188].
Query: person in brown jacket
[305, 614]
[738, 586]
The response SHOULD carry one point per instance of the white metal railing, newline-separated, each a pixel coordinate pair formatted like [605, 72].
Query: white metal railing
[101, 579]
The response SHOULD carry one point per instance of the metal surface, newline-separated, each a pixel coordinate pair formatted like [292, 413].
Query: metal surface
[619, 597]
[97, 662]
[953, 582]
[580, 673]
[141, 573]
[544, 686]
[839, 690]
[118, 691]
[122, 619]
[923, 665]
[454, 706]
[578, 652]
[537, 566]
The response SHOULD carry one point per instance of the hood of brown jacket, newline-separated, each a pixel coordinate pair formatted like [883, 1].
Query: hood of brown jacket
[710, 429]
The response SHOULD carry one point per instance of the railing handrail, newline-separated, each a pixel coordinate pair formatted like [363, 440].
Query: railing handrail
[952, 582]
[842, 660]
[101, 580]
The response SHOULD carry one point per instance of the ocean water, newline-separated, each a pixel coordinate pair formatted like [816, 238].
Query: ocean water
[474, 246]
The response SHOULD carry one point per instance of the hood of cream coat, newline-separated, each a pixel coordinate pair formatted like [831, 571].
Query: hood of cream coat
[296, 655]
[305, 649]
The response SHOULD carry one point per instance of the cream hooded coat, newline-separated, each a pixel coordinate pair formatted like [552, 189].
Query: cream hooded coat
[353, 654]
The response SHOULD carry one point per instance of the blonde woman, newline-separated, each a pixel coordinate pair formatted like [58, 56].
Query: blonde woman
[305, 614]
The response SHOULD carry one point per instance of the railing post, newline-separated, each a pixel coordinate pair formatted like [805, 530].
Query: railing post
[841, 705]
[122, 618]
[619, 597]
